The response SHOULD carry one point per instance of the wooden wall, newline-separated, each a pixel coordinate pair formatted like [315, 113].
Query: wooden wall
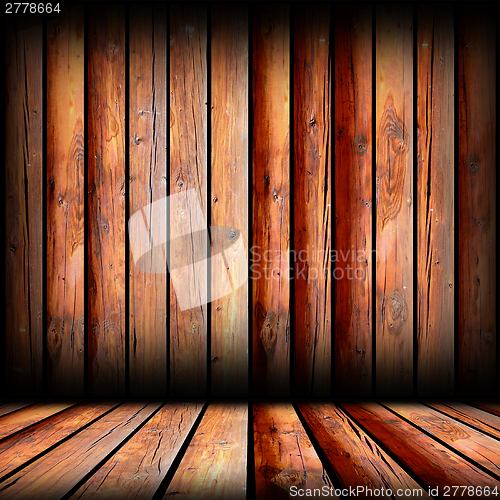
[353, 149]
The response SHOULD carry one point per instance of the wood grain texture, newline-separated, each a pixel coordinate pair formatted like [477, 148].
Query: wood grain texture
[435, 201]
[24, 190]
[474, 417]
[355, 457]
[353, 200]
[65, 203]
[137, 469]
[18, 449]
[7, 408]
[106, 200]
[477, 202]
[478, 448]
[60, 470]
[148, 307]
[284, 455]
[188, 170]
[394, 154]
[490, 407]
[271, 199]
[214, 465]
[229, 204]
[312, 199]
[21, 419]
[435, 464]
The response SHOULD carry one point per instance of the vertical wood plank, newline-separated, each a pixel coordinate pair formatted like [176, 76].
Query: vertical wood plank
[477, 201]
[394, 157]
[23, 208]
[147, 184]
[65, 203]
[229, 205]
[353, 200]
[312, 199]
[188, 170]
[435, 200]
[106, 200]
[271, 199]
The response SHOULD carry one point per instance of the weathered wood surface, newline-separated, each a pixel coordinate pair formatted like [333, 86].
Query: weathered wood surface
[312, 199]
[478, 448]
[24, 149]
[60, 470]
[148, 305]
[18, 449]
[434, 463]
[229, 193]
[106, 195]
[490, 407]
[65, 203]
[435, 200]
[477, 201]
[21, 419]
[271, 199]
[137, 469]
[474, 417]
[284, 455]
[353, 200]
[188, 170]
[214, 465]
[395, 198]
[7, 408]
[355, 457]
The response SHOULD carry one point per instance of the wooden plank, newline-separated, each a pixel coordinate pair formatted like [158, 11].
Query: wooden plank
[284, 455]
[478, 448]
[21, 419]
[435, 200]
[357, 460]
[271, 199]
[7, 408]
[148, 308]
[188, 170]
[353, 200]
[229, 206]
[493, 408]
[214, 465]
[16, 450]
[65, 203]
[24, 150]
[60, 470]
[312, 199]
[477, 202]
[471, 416]
[418, 453]
[394, 157]
[106, 200]
[138, 468]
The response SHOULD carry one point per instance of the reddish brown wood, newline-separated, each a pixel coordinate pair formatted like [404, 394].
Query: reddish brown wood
[357, 460]
[395, 193]
[434, 463]
[490, 407]
[137, 469]
[106, 200]
[148, 308]
[188, 170]
[7, 408]
[284, 455]
[435, 200]
[477, 201]
[215, 462]
[65, 203]
[271, 199]
[229, 204]
[16, 450]
[24, 151]
[312, 199]
[352, 266]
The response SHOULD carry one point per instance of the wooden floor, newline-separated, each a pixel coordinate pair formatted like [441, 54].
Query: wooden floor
[205, 450]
